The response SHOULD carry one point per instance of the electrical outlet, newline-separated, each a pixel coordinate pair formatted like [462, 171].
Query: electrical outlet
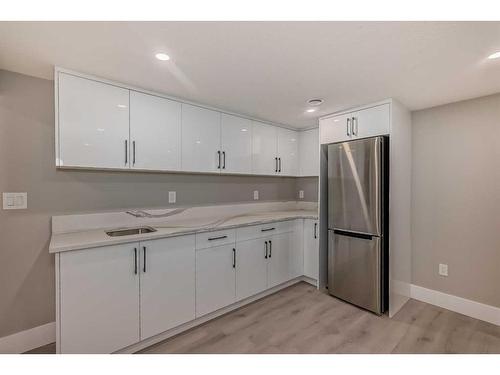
[172, 197]
[301, 194]
[443, 269]
[255, 195]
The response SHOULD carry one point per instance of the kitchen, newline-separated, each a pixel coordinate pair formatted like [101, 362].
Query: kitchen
[166, 215]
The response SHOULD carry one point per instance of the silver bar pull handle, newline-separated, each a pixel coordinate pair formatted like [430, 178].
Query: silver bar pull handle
[348, 127]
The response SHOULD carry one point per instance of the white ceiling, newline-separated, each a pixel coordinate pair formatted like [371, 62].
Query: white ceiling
[269, 70]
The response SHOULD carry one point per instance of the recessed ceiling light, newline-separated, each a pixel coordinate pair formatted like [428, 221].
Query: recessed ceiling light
[315, 102]
[162, 56]
[311, 110]
[495, 55]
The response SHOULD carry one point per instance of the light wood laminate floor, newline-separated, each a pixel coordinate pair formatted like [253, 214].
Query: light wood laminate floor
[300, 319]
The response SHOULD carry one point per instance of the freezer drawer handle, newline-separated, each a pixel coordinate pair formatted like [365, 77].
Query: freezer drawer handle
[363, 236]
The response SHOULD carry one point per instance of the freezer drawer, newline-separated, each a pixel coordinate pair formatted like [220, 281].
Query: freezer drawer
[354, 270]
[355, 185]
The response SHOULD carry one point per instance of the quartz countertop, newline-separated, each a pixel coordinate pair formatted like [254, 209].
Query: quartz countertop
[97, 237]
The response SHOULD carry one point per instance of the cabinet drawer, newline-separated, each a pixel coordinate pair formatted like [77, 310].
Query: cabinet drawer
[264, 230]
[217, 238]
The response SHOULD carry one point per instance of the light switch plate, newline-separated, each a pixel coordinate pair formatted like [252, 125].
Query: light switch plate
[172, 197]
[443, 269]
[15, 201]
[301, 194]
[255, 195]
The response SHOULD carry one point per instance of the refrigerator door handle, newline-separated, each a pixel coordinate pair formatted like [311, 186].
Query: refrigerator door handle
[364, 236]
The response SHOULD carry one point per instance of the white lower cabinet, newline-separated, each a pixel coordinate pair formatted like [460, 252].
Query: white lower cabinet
[99, 299]
[113, 297]
[215, 278]
[167, 269]
[251, 268]
[280, 247]
[311, 248]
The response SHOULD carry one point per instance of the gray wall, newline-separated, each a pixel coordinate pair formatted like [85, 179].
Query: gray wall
[456, 198]
[27, 164]
[310, 187]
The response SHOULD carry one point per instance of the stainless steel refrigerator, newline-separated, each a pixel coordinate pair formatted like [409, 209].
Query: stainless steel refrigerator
[357, 222]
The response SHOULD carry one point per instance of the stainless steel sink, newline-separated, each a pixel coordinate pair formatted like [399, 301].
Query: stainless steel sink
[130, 231]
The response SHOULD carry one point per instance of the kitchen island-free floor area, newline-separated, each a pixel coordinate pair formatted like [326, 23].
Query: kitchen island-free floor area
[300, 319]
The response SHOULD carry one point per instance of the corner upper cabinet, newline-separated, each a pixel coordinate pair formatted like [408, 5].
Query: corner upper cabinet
[155, 133]
[264, 149]
[288, 152]
[236, 144]
[92, 123]
[309, 153]
[201, 129]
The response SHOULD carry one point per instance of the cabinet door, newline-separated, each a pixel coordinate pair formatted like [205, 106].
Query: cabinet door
[155, 132]
[309, 152]
[236, 144]
[371, 122]
[336, 129]
[279, 259]
[99, 294]
[93, 124]
[251, 268]
[288, 152]
[297, 249]
[200, 139]
[264, 149]
[167, 268]
[311, 248]
[215, 279]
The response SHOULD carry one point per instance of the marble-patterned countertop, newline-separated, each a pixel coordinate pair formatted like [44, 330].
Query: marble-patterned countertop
[97, 237]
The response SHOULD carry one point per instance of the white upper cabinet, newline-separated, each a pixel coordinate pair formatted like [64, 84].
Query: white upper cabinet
[107, 125]
[236, 144]
[372, 121]
[288, 152]
[264, 149]
[201, 139]
[155, 132]
[368, 122]
[309, 152]
[93, 124]
[336, 129]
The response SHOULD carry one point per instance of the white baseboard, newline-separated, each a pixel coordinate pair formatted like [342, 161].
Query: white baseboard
[477, 310]
[23, 341]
